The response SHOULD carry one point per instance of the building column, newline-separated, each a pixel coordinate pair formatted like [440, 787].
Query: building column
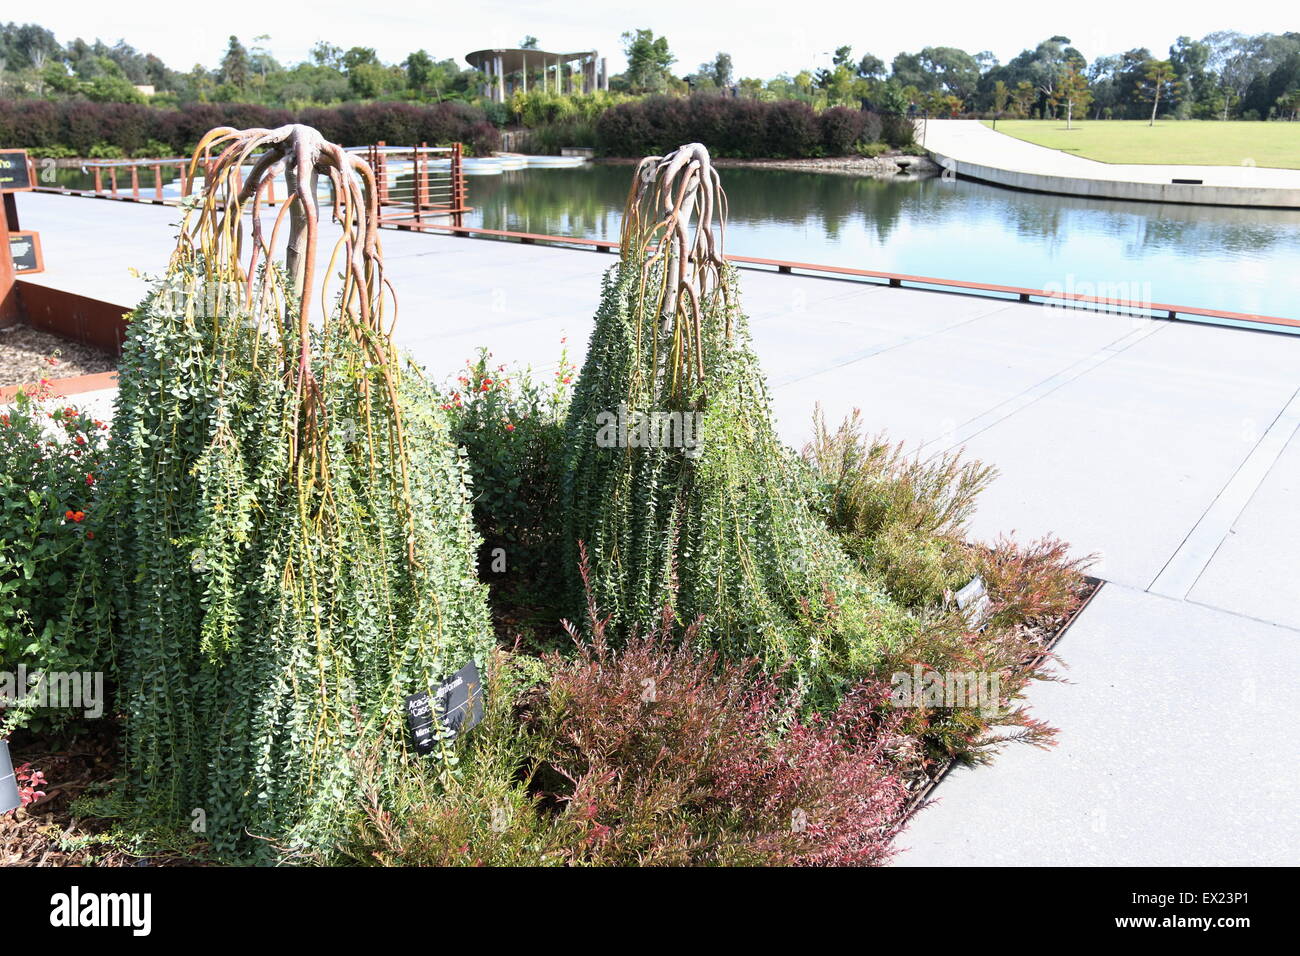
[501, 81]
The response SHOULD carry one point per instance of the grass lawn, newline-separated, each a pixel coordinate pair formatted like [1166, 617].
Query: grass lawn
[1187, 142]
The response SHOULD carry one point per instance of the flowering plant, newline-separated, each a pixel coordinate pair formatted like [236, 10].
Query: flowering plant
[51, 455]
[510, 422]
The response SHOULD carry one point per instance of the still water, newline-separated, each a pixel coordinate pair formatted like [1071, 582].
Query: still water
[1239, 260]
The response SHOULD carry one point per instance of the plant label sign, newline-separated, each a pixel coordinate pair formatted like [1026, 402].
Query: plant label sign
[457, 702]
[15, 174]
[25, 251]
[973, 599]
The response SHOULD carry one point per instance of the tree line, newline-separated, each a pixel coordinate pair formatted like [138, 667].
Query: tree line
[1224, 75]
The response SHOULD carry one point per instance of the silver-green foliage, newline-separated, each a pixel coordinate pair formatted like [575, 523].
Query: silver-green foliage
[273, 610]
[726, 534]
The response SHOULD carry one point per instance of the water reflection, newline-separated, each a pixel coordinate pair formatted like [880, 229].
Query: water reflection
[1244, 260]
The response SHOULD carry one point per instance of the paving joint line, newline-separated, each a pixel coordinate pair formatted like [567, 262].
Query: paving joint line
[1180, 574]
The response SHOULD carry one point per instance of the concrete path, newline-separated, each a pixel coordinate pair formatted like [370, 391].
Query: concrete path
[970, 148]
[1169, 449]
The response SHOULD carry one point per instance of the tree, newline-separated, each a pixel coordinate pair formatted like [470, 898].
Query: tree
[1289, 103]
[648, 60]
[1159, 80]
[327, 54]
[261, 56]
[1001, 96]
[234, 65]
[871, 67]
[843, 56]
[1190, 59]
[528, 43]
[1024, 96]
[359, 56]
[722, 70]
[1072, 92]
[419, 70]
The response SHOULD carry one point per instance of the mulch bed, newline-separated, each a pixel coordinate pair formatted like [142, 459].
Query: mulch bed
[27, 356]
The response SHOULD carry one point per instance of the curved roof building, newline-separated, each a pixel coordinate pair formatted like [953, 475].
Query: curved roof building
[510, 70]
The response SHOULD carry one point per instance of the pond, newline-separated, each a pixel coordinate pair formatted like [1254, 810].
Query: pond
[1239, 260]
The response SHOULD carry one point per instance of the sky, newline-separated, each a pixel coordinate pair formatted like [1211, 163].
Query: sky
[764, 37]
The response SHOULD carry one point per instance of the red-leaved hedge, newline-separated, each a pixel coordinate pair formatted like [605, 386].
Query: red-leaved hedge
[742, 128]
[80, 125]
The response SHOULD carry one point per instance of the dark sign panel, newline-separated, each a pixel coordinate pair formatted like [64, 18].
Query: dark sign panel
[15, 174]
[25, 251]
[458, 702]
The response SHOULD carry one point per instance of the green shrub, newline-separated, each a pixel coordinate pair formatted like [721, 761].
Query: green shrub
[292, 549]
[512, 427]
[51, 618]
[52, 152]
[717, 526]
[102, 150]
[871, 150]
[479, 813]
[904, 520]
[153, 149]
[549, 139]
[901, 517]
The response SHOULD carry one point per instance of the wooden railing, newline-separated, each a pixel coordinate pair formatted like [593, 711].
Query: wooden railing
[903, 280]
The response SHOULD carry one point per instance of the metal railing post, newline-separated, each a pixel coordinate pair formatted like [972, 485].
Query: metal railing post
[458, 191]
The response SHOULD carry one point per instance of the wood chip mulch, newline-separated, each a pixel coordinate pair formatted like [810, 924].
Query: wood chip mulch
[47, 833]
[27, 356]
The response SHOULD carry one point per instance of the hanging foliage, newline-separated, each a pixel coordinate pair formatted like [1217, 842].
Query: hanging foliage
[675, 479]
[293, 541]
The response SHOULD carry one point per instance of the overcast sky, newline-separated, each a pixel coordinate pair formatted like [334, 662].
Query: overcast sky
[764, 37]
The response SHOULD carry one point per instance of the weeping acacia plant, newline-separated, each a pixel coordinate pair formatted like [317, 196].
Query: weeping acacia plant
[293, 541]
[713, 522]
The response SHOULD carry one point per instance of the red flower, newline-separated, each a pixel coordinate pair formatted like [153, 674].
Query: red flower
[78, 516]
[69, 515]
[90, 480]
[90, 535]
[510, 428]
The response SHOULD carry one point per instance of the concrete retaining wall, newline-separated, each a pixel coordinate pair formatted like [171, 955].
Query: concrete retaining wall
[1263, 198]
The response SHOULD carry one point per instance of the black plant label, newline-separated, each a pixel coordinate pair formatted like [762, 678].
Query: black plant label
[456, 704]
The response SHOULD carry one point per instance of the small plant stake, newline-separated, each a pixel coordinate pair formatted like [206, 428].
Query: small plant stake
[9, 798]
[973, 600]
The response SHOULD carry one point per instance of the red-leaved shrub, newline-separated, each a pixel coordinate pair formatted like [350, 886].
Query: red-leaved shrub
[662, 754]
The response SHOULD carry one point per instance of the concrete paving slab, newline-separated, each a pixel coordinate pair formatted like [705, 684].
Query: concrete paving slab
[1134, 453]
[1173, 750]
[1254, 570]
